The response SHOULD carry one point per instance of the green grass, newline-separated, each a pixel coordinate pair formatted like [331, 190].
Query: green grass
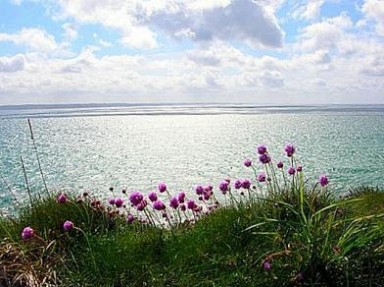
[310, 240]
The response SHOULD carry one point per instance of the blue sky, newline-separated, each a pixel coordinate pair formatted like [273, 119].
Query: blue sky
[256, 51]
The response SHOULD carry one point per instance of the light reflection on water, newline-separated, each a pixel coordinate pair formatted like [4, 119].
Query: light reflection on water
[138, 151]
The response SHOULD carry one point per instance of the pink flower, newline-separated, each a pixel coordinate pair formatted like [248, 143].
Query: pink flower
[130, 218]
[238, 184]
[158, 205]
[142, 205]
[289, 149]
[181, 197]
[174, 203]
[280, 164]
[261, 177]
[247, 162]
[264, 158]
[266, 265]
[119, 202]
[191, 204]
[261, 149]
[323, 180]
[299, 168]
[291, 170]
[162, 187]
[246, 183]
[68, 225]
[111, 201]
[224, 186]
[199, 189]
[27, 233]
[62, 198]
[152, 196]
[135, 198]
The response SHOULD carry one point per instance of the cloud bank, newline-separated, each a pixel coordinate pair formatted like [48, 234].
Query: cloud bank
[196, 51]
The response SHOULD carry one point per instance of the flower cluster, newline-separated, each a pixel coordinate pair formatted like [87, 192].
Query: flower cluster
[157, 207]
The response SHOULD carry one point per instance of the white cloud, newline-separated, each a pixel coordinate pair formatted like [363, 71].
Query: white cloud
[70, 31]
[374, 11]
[227, 74]
[242, 20]
[324, 35]
[309, 10]
[139, 21]
[272, 79]
[332, 60]
[33, 38]
[374, 66]
[12, 64]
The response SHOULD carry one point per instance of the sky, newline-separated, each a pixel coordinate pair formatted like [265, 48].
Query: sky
[192, 51]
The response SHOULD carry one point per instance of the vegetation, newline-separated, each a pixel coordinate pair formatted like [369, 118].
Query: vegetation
[277, 231]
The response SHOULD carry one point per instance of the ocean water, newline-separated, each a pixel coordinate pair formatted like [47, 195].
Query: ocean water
[95, 147]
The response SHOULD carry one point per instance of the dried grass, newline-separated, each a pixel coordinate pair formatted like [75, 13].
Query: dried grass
[21, 267]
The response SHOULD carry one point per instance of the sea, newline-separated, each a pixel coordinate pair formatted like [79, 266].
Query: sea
[95, 147]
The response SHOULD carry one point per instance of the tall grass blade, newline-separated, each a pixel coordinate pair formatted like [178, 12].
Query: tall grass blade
[37, 156]
[9, 188]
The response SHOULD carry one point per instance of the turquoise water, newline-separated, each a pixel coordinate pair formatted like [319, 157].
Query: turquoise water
[92, 148]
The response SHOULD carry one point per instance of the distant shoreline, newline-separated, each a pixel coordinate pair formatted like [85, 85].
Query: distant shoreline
[146, 109]
[208, 104]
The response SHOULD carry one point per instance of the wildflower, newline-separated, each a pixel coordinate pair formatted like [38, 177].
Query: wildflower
[174, 203]
[68, 225]
[27, 233]
[191, 204]
[111, 201]
[162, 187]
[238, 184]
[119, 202]
[280, 164]
[199, 189]
[158, 205]
[266, 265]
[291, 170]
[247, 162]
[323, 180]
[261, 177]
[223, 186]
[183, 207]
[130, 218]
[299, 168]
[246, 183]
[207, 195]
[289, 149]
[141, 205]
[135, 198]
[62, 198]
[265, 158]
[181, 197]
[152, 196]
[261, 149]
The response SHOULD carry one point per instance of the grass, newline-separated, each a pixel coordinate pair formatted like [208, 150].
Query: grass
[283, 232]
[225, 248]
